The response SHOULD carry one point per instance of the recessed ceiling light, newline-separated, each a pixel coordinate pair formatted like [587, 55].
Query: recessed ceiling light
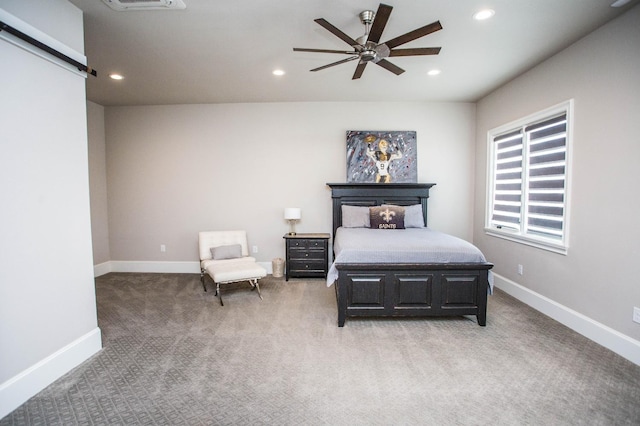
[116, 76]
[278, 72]
[433, 72]
[484, 14]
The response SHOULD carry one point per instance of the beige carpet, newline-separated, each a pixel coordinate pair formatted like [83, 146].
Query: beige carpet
[173, 356]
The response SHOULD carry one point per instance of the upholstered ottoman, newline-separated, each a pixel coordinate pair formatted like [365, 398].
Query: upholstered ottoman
[229, 271]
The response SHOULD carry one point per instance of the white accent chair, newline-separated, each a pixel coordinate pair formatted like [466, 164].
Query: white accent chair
[224, 256]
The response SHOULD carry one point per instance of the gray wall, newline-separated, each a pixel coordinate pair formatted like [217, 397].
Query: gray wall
[48, 321]
[176, 170]
[597, 278]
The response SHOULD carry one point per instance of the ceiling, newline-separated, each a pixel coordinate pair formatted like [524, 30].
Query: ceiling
[217, 51]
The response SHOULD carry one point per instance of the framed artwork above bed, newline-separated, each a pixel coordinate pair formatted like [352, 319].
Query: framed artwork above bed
[382, 156]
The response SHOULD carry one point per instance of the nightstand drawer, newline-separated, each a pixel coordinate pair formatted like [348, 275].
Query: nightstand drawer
[306, 244]
[301, 265]
[306, 254]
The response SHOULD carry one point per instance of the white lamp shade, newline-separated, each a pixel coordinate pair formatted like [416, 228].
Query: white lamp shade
[291, 213]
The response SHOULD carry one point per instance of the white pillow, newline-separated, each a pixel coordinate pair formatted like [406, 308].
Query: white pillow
[355, 216]
[226, 252]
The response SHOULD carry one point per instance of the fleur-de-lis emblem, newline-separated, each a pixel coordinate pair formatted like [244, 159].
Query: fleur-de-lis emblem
[387, 215]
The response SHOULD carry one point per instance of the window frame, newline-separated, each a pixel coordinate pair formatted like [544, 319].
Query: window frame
[521, 235]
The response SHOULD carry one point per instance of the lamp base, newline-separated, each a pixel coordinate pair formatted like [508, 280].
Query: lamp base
[292, 226]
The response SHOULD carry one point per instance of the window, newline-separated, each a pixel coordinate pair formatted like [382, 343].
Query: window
[528, 174]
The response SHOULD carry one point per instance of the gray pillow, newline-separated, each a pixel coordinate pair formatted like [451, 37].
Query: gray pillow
[355, 216]
[226, 252]
[413, 217]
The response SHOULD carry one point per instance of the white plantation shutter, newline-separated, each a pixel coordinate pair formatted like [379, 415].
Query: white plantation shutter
[547, 156]
[528, 190]
[507, 202]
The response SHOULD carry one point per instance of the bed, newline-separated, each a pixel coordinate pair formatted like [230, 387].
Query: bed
[399, 282]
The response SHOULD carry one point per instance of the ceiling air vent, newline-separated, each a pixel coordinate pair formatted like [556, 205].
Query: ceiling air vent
[125, 5]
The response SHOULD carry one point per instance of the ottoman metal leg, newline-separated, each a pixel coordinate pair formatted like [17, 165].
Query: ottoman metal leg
[219, 294]
[202, 279]
[255, 285]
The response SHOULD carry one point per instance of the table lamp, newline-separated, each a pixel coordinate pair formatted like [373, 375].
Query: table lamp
[292, 214]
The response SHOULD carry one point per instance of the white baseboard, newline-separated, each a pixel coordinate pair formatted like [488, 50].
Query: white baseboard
[102, 269]
[156, 267]
[17, 390]
[611, 339]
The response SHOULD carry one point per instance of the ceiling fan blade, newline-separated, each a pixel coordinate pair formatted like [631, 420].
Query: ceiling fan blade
[345, 52]
[335, 63]
[379, 22]
[412, 35]
[336, 32]
[415, 51]
[390, 67]
[359, 70]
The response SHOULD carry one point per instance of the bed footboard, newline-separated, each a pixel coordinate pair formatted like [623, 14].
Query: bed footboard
[394, 290]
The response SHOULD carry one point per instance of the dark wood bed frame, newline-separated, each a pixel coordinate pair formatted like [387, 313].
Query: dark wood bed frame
[405, 289]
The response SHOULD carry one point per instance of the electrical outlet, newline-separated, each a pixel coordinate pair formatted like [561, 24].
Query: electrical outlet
[636, 314]
[163, 248]
[520, 270]
[254, 249]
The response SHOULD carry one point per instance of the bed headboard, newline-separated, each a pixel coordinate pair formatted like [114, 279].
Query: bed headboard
[375, 194]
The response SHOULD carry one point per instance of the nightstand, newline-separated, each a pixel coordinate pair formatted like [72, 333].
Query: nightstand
[307, 255]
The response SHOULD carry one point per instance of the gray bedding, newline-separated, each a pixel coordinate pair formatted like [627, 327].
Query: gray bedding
[413, 245]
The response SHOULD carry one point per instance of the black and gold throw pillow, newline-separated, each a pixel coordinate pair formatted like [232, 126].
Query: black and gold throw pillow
[386, 217]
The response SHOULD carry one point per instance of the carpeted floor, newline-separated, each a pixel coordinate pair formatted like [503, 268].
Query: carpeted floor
[173, 356]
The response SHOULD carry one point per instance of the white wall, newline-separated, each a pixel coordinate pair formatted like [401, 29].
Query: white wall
[48, 321]
[98, 183]
[598, 278]
[176, 170]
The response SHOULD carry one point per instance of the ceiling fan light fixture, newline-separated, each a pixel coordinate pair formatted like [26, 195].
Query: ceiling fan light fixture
[484, 14]
[368, 55]
[369, 52]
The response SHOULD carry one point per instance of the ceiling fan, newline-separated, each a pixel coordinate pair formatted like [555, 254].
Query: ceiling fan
[367, 47]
